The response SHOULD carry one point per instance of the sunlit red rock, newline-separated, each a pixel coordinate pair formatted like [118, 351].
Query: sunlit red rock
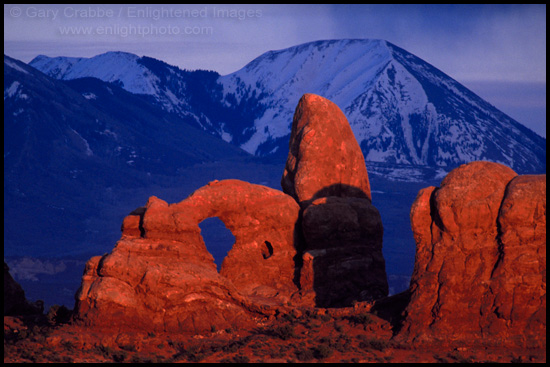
[160, 275]
[480, 267]
[324, 158]
[519, 280]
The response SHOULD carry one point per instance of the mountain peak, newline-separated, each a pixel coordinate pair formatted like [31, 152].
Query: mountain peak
[401, 109]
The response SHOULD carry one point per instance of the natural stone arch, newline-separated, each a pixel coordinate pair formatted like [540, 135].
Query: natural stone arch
[160, 275]
[255, 215]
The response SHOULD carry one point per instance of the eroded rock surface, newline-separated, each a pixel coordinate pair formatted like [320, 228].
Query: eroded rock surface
[160, 275]
[480, 267]
[324, 158]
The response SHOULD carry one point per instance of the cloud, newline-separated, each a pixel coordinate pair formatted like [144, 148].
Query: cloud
[28, 269]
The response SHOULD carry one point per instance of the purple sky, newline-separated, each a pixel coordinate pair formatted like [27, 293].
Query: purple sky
[498, 51]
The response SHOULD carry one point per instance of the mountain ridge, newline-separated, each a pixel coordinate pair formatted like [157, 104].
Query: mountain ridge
[401, 109]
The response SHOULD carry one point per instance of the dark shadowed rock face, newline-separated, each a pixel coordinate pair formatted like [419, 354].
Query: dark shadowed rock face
[326, 173]
[343, 259]
[15, 302]
[480, 268]
[161, 276]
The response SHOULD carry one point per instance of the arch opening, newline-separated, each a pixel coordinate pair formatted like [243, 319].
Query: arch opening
[218, 239]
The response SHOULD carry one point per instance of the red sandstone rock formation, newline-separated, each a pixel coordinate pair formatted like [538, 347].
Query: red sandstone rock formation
[324, 157]
[517, 301]
[160, 275]
[480, 268]
[326, 173]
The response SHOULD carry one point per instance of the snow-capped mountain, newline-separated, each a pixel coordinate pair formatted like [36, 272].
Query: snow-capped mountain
[99, 121]
[401, 109]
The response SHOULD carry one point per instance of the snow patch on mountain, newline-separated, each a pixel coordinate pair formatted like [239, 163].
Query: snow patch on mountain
[15, 90]
[56, 67]
[224, 134]
[114, 67]
[12, 90]
[87, 149]
[89, 96]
